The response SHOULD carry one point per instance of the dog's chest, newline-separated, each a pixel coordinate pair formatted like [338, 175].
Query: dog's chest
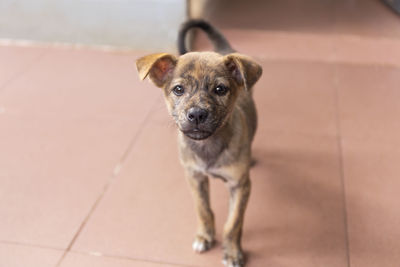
[208, 154]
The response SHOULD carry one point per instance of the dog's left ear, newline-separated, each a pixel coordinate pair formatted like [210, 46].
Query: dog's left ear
[158, 67]
[243, 69]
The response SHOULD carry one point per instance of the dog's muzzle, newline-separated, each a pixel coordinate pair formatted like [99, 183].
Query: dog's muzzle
[196, 126]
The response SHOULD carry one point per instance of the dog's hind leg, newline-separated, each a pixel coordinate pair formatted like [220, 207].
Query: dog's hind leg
[199, 186]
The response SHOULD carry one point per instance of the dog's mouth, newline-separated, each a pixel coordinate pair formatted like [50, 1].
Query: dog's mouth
[197, 134]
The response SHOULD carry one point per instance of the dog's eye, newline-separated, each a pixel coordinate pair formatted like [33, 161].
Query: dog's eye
[178, 90]
[220, 90]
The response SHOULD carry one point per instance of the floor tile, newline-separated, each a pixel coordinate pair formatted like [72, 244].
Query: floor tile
[369, 129]
[82, 260]
[281, 15]
[14, 61]
[357, 17]
[280, 45]
[295, 214]
[297, 97]
[368, 101]
[367, 51]
[22, 256]
[51, 174]
[367, 18]
[321, 48]
[371, 172]
[81, 84]
[66, 126]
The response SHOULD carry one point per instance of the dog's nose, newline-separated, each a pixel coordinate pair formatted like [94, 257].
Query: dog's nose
[197, 115]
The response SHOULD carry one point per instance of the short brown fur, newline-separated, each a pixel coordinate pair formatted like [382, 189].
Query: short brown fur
[231, 124]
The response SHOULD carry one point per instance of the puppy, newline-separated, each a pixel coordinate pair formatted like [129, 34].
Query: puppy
[209, 95]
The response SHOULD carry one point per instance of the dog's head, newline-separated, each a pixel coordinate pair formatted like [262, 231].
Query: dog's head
[200, 88]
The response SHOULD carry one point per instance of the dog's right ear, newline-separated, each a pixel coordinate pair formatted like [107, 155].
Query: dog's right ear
[158, 67]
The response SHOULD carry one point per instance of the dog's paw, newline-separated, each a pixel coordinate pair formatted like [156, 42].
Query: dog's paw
[200, 244]
[236, 260]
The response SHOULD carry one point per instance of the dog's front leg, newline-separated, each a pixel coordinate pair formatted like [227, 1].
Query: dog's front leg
[239, 195]
[200, 190]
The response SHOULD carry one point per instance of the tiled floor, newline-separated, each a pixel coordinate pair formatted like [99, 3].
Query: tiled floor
[88, 160]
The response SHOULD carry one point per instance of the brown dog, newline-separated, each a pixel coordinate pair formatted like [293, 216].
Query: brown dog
[209, 95]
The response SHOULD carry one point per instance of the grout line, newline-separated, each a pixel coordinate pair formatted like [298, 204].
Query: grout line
[22, 71]
[83, 224]
[136, 135]
[341, 165]
[340, 147]
[14, 243]
[107, 185]
[98, 254]
[333, 61]
[303, 133]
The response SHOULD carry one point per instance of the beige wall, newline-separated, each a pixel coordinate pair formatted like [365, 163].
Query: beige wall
[140, 24]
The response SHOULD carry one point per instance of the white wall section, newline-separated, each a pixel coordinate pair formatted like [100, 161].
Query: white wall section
[139, 24]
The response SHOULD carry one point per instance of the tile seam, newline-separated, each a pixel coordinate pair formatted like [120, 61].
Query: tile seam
[22, 71]
[119, 257]
[334, 61]
[339, 137]
[15, 243]
[341, 164]
[108, 183]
